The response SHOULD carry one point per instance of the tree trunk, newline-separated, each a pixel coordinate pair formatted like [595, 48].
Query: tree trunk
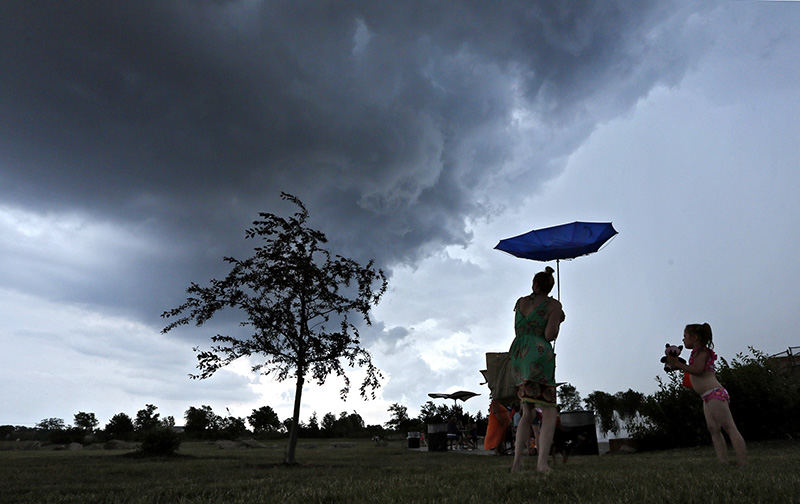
[298, 393]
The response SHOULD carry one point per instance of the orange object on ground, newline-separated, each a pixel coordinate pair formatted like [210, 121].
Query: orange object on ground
[499, 420]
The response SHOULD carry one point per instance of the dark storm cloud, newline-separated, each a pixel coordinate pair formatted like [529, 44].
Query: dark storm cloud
[183, 119]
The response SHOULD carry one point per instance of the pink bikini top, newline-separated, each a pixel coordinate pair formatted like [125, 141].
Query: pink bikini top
[709, 363]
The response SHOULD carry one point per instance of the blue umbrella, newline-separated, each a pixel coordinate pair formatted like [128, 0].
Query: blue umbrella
[566, 241]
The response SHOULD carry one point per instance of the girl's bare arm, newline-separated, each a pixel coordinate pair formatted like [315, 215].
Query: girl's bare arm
[696, 368]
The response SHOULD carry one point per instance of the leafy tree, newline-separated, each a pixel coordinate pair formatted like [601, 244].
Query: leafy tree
[287, 424]
[232, 427]
[51, 424]
[264, 420]
[87, 422]
[430, 413]
[569, 398]
[348, 424]
[603, 404]
[147, 419]
[481, 423]
[56, 431]
[200, 422]
[672, 416]
[298, 300]
[313, 426]
[765, 405]
[628, 404]
[168, 422]
[160, 441]
[328, 424]
[766, 397]
[120, 427]
[399, 419]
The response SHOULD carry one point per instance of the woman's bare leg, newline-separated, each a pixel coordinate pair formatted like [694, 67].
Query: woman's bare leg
[545, 441]
[523, 436]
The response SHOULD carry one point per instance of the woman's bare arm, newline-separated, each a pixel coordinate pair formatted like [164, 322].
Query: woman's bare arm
[554, 318]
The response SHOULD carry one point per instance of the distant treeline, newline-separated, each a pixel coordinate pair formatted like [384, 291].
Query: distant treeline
[202, 423]
[765, 402]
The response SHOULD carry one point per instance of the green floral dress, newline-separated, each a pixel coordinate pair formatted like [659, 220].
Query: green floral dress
[533, 362]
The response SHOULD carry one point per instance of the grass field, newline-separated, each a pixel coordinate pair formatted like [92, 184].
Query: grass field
[362, 472]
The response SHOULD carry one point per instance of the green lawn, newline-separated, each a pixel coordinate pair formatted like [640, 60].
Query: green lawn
[363, 472]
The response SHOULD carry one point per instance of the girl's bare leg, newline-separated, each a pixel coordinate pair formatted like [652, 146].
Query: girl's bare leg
[721, 413]
[720, 447]
[523, 436]
[545, 441]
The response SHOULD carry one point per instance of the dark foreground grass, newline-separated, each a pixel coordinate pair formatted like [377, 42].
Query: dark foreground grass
[362, 472]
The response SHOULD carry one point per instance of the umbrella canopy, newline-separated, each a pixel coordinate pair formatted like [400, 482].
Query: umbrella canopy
[566, 241]
[461, 395]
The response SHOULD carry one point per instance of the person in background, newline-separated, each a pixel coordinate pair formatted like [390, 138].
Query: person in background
[537, 425]
[537, 319]
[700, 375]
[452, 433]
[472, 435]
[497, 428]
[516, 416]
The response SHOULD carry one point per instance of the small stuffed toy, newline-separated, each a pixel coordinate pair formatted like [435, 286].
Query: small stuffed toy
[672, 350]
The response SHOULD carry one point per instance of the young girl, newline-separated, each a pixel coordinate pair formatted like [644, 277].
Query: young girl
[700, 376]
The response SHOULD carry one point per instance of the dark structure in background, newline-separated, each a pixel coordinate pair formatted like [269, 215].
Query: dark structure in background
[788, 361]
[577, 433]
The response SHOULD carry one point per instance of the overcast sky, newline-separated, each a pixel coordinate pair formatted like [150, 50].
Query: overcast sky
[139, 139]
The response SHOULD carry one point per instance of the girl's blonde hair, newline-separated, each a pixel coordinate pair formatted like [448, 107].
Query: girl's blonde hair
[703, 333]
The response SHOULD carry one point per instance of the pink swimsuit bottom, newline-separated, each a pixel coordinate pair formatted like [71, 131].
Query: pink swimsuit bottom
[719, 393]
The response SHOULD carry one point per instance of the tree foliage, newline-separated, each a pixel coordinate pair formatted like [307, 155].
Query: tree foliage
[49, 424]
[119, 427]
[297, 301]
[87, 422]
[264, 420]
[160, 441]
[200, 422]
[313, 429]
[231, 427]
[328, 424]
[765, 404]
[147, 419]
[569, 398]
[348, 424]
[399, 419]
[765, 398]
[431, 413]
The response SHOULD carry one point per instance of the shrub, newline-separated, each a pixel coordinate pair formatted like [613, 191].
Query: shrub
[119, 427]
[66, 436]
[160, 441]
[765, 400]
[765, 404]
[672, 416]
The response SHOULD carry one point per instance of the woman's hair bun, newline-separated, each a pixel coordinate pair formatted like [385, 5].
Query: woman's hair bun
[549, 270]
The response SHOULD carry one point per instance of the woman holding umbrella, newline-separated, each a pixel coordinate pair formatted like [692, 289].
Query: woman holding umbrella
[537, 318]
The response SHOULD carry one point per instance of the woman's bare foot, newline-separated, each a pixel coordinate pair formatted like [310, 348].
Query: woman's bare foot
[544, 470]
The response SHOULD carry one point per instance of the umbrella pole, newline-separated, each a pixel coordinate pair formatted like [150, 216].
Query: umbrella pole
[558, 278]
